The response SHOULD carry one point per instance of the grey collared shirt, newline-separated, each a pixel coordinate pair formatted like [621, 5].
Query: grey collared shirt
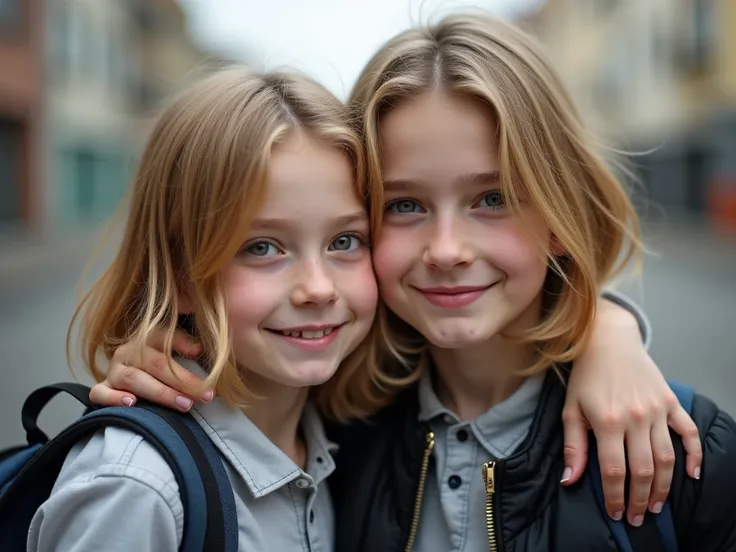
[116, 493]
[453, 507]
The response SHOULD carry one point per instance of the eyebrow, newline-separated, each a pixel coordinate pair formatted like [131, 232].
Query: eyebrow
[481, 178]
[278, 223]
[490, 177]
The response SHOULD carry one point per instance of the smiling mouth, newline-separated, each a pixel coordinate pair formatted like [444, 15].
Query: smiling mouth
[453, 298]
[309, 338]
[317, 332]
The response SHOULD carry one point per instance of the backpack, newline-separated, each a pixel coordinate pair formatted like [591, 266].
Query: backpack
[28, 472]
[646, 538]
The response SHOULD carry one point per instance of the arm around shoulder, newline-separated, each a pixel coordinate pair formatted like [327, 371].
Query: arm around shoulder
[705, 510]
[115, 493]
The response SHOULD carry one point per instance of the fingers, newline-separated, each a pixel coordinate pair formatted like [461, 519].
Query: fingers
[153, 380]
[104, 395]
[183, 343]
[664, 465]
[144, 386]
[613, 470]
[683, 425]
[576, 446]
[641, 466]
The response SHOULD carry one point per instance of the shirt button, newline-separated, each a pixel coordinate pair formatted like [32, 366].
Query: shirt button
[302, 483]
[454, 481]
[448, 419]
[311, 516]
[462, 435]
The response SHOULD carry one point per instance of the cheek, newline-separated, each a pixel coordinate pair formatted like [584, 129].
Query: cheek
[360, 290]
[393, 254]
[521, 254]
[249, 299]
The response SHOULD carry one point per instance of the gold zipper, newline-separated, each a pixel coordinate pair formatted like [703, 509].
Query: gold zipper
[489, 479]
[420, 492]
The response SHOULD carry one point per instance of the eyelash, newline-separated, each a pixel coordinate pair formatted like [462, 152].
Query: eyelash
[362, 242]
[395, 202]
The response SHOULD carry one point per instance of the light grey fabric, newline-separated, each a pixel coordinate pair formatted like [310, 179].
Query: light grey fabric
[453, 508]
[116, 493]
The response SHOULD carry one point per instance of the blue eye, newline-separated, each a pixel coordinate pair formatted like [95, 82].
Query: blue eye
[262, 249]
[404, 206]
[493, 200]
[346, 242]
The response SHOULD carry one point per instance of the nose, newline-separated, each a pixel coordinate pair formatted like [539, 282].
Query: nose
[448, 247]
[315, 286]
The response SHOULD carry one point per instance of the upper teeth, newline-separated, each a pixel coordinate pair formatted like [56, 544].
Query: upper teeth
[309, 335]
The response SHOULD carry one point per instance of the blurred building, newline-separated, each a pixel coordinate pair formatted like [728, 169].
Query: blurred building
[655, 76]
[20, 112]
[110, 63]
[169, 57]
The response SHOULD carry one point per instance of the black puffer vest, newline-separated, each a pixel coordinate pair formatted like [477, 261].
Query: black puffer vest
[382, 463]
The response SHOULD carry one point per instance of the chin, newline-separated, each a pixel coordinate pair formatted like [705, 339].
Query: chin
[308, 374]
[457, 336]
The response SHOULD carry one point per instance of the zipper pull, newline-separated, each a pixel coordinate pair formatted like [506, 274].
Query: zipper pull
[489, 477]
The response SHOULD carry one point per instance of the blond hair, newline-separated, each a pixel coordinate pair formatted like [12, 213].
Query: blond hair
[546, 158]
[200, 182]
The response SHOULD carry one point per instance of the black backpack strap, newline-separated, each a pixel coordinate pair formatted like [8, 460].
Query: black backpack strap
[36, 402]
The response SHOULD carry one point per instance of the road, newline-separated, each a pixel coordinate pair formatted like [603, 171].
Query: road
[689, 292]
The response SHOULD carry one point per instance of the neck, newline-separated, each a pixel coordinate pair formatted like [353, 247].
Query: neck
[277, 412]
[473, 379]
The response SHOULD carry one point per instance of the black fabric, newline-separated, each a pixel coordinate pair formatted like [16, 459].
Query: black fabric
[36, 402]
[379, 461]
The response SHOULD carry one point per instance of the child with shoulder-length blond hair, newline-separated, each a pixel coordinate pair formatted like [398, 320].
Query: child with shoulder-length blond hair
[247, 225]
[500, 225]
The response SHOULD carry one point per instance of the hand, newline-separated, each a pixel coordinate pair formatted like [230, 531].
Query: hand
[153, 380]
[616, 390]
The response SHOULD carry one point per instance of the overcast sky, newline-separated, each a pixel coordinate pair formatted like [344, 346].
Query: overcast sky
[330, 40]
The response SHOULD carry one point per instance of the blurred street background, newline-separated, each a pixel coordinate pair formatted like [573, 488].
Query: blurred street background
[80, 80]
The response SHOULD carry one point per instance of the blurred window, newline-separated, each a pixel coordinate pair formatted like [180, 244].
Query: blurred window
[11, 14]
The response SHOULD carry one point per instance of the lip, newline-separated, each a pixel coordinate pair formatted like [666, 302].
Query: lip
[309, 344]
[453, 297]
[307, 328]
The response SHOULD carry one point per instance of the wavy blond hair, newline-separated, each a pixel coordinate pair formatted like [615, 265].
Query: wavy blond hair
[546, 157]
[200, 182]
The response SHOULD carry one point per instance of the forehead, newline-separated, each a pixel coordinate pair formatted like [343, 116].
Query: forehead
[306, 177]
[437, 135]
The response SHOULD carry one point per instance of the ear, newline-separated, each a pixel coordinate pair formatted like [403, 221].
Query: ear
[555, 247]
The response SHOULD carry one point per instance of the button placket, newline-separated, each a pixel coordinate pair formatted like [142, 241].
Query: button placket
[456, 482]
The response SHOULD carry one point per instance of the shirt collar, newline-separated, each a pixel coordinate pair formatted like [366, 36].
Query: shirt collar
[516, 410]
[262, 465]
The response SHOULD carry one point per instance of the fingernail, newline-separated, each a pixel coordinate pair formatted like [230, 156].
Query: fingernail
[697, 472]
[127, 401]
[183, 403]
[637, 521]
[618, 515]
[657, 507]
[208, 395]
[566, 475]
